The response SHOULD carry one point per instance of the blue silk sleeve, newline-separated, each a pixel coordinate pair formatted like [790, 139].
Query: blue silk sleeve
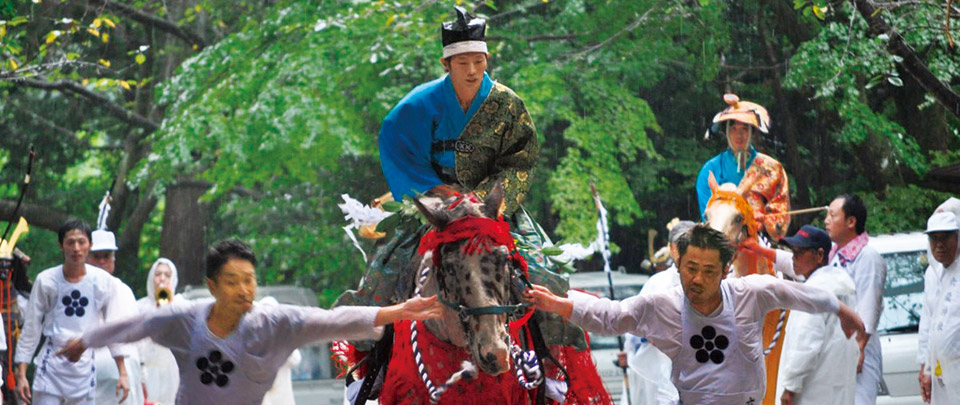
[405, 151]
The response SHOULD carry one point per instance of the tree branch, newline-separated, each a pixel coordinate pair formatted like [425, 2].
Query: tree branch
[534, 38]
[632, 26]
[896, 4]
[37, 215]
[66, 133]
[153, 21]
[113, 108]
[911, 61]
[508, 15]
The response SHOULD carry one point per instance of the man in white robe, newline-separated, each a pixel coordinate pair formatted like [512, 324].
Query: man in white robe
[710, 327]
[229, 349]
[939, 334]
[66, 301]
[818, 365]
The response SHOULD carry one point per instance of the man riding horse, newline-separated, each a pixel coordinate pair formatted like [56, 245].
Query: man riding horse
[769, 195]
[468, 131]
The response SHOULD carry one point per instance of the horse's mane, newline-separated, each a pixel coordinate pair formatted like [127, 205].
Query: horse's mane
[445, 191]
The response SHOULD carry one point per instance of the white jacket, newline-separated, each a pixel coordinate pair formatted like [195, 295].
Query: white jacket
[940, 330]
[818, 362]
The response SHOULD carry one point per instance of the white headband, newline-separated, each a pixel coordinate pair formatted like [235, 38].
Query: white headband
[457, 48]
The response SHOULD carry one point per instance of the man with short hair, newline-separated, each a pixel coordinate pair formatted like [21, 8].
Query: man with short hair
[710, 327]
[66, 301]
[103, 251]
[818, 365]
[846, 224]
[938, 353]
[229, 349]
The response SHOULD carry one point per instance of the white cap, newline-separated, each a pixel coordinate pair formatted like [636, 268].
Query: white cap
[103, 240]
[943, 222]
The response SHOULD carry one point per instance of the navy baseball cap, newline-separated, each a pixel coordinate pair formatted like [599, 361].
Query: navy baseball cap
[809, 237]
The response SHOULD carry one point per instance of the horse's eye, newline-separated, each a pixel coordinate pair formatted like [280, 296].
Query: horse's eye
[739, 218]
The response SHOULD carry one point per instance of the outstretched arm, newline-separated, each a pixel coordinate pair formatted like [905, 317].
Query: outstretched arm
[168, 326]
[772, 293]
[349, 322]
[131, 329]
[598, 315]
[543, 299]
[416, 308]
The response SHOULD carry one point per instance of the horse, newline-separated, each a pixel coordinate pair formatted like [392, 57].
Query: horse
[470, 261]
[728, 212]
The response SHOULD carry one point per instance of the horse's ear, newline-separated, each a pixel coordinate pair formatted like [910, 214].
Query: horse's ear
[434, 217]
[712, 181]
[494, 201]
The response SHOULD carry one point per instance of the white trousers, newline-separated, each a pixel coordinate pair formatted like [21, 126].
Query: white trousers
[868, 381]
[42, 398]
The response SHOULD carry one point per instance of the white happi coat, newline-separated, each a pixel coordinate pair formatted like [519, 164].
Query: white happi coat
[61, 310]
[717, 358]
[939, 335]
[818, 362]
[240, 368]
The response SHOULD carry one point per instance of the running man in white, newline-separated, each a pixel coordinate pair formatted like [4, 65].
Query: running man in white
[710, 327]
[229, 349]
[66, 301]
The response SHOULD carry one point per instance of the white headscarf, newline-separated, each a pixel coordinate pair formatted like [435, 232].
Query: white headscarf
[151, 289]
[950, 205]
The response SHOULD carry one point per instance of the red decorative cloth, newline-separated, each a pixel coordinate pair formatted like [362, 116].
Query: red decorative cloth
[441, 359]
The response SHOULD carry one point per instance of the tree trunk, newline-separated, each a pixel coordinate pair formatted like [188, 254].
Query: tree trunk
[181, 239]
[912, 63]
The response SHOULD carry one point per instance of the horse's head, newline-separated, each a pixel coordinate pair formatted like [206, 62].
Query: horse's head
[471, 250]
[728, 212]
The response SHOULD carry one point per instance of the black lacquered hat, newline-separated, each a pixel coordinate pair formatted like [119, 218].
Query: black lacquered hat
[463, 35]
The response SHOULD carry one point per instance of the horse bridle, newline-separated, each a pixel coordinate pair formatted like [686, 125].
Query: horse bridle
[464, 312]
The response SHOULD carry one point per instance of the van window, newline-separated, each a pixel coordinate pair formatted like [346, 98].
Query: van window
[903, 292]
